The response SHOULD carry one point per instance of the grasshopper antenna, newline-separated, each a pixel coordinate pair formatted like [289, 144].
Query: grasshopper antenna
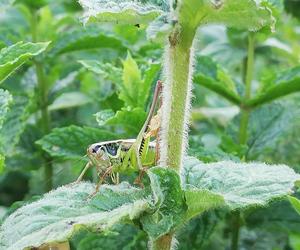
[140, 136]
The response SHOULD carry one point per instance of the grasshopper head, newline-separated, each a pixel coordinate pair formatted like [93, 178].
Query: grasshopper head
[97, 153]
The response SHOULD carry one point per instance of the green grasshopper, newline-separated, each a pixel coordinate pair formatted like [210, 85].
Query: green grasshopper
[114, 157]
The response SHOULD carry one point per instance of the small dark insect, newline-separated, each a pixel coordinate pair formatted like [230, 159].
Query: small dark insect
[137, 25]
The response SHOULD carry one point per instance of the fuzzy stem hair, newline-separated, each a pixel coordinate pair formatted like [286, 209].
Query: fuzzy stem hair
[176, 99]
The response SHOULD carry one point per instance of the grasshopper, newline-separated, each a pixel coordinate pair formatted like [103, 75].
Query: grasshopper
[113, 157]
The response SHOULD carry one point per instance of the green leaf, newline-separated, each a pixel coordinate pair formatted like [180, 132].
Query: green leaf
[126, 12]
[241, 184]
[132, 89]
[71, 142]
[267, 123]
[118, 237]
[285, 83]
[295, 203]
[280, 216]
[15, 123]
[168, 198]
[209, 200]
[5, 100]
[32, 4]
[209, 75]
[130, 120]
[106, 70]
[232, 13]
[86, 39]
[103, 116]
[60, 213]
[14, 56]
[159, 29]
[294, 240]
[69, 100]
[2, 161]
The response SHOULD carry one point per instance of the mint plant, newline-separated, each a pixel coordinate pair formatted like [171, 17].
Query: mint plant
[182, 187]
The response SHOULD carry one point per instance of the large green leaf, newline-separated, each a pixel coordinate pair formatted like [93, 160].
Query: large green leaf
[5, 100]
[209, 75]
[285, 83]
[60, 213]
[240, 184]
[128, 12]
[241, 14]
[71, 142]
[14, 56]
[86, 39]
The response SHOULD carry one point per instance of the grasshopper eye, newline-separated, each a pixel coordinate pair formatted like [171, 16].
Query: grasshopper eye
[96, 148]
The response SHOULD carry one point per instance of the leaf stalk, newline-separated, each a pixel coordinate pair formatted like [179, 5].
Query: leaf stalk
[43, 105]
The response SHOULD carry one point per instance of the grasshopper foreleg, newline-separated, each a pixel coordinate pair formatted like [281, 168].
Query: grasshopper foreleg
[80, 177]
[100, 182]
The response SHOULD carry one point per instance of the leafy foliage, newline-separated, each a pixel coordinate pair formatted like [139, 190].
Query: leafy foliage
[86, 39]
[165, 184]
[233, 13]
[121, 11]
[14, 124]
[285, 83]
[14, 56]
[209, 75]
[75, 211]
[64, 142]
[5, 101]
[241, 185]
[296, 203]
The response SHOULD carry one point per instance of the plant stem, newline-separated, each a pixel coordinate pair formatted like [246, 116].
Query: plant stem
[176, 99]
[236, 218]
[243, 135]
[249, 76]
[175, 108]
[43, 105]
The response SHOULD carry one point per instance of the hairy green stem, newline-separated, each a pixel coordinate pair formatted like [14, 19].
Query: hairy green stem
[175, 107]
[243, 135]
[176, 99]
[43, 105]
